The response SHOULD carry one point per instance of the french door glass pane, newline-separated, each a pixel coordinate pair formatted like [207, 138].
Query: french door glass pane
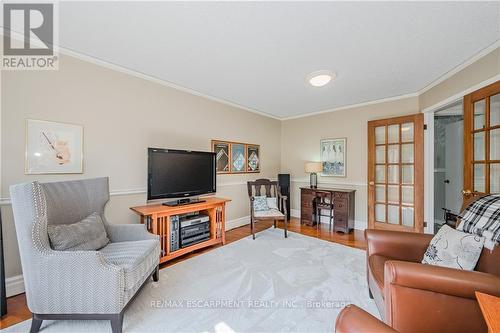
[407, 132]
[380, 134]
[380, 193]
[479, 112]
[407, 215]
[495, 178]
[495, 110]
[393, 214]
[393, 174]
[407, 153]
[407, 174]
[380, 154]
[393, 194]
[393, 134]
[393, 153]
[380, 174]
[407, 194]
[495, 144]
[479, 146]
[479, 171]
[380, 212]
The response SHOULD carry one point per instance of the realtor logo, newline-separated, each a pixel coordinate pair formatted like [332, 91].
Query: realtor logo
[29, 36]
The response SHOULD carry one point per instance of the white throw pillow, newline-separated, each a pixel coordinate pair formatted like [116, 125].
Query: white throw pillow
[454, 249]
[272, 203]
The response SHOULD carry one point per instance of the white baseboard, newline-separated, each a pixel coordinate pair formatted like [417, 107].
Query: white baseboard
[237, 222]
[358, 224]
[14, 285]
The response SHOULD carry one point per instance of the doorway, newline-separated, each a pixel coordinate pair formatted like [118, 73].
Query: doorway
[448, 162]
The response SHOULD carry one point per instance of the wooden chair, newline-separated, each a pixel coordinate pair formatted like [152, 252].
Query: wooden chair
[324, 200]
[272, 190]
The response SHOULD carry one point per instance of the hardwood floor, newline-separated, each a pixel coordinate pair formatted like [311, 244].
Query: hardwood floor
[18, 310]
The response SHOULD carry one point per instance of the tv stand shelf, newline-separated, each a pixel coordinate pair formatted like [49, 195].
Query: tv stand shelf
[157, 219]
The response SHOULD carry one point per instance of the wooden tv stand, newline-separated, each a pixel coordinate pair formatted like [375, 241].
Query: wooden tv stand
[157, 219]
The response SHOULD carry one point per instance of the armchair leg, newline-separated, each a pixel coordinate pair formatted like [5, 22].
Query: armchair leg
[156, 274]
[370, 293]
[117, 323]
[286, 229]
[274, 224]
[35, 324]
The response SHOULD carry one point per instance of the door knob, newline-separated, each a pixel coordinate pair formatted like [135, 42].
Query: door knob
[371, 183]
[466, 192]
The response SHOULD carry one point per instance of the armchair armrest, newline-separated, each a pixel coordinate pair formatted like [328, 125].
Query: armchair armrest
[398, 245]
[355, 320]
[443, 280]
[128, 232]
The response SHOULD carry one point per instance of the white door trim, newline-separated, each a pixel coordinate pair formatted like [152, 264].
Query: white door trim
[429, 173]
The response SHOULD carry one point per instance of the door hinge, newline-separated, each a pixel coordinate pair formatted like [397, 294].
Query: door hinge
[425, 127]
[425, 224]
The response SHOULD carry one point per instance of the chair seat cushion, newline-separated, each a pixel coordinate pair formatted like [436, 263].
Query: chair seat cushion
[137, 258]
[376, 263]
[270, 213]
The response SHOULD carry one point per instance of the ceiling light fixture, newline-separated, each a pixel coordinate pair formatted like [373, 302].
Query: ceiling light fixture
[320, 78]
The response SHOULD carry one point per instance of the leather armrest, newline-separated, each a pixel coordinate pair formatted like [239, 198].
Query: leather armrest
[355, 320]
[442, 280]
[397, 245]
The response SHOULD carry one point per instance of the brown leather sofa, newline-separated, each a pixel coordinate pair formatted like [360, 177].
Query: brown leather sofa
[414, 298]
[354, 320]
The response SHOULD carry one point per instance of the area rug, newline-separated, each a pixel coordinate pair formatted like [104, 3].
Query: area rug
[270, 284]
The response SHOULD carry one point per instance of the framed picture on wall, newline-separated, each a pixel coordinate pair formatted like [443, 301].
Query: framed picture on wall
[333, 157]
[253, 158]
[238, 158]
[53, 147]
[222, 150]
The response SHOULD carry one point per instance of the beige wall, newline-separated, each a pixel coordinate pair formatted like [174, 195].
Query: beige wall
[122, 115]
[301, 139]
[479, 71]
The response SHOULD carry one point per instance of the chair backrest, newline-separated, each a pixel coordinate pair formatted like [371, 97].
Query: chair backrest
[271, 188]
[71, 201]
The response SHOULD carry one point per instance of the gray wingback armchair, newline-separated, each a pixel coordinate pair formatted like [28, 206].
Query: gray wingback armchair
[79, 284]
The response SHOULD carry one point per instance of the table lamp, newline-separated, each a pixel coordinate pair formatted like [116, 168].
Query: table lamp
[313, 168]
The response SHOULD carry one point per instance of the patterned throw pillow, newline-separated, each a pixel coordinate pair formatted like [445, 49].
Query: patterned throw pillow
[87, 235]
[454, 249]
[260, 203]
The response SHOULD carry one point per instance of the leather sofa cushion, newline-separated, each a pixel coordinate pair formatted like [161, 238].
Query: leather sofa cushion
[137, 258]
[376, 263]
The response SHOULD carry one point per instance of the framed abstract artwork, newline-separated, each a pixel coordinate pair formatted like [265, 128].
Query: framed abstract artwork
[253, 158]
[53, 147]
[222, 152]
[238, 158]
[333, 157]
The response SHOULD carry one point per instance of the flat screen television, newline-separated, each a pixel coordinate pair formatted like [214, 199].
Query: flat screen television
[180, 173]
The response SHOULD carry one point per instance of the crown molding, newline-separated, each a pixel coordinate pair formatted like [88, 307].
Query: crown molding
[352, 106]
[460, 67]
[135, 73]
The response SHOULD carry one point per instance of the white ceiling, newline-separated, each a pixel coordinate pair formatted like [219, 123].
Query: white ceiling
[257, 54]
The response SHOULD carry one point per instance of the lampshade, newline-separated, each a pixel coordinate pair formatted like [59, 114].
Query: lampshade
[313, 167]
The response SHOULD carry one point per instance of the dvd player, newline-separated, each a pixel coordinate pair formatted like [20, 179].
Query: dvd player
[186, 221]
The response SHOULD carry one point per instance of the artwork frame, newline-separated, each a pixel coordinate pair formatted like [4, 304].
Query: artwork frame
[222, 150]
[253, 158]
[333, 153]
[238, 156]
[53, 147]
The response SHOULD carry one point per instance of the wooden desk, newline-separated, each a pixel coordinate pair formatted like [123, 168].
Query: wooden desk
[157, 219]
[343, 203]
[490, 307]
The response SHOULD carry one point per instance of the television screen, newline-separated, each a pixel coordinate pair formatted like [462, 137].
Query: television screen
[180, 173]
